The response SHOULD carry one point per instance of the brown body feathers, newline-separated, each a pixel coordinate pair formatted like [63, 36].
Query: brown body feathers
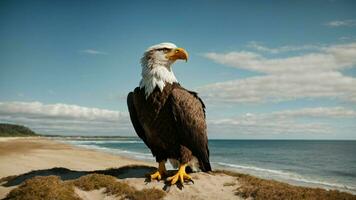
[172, 123]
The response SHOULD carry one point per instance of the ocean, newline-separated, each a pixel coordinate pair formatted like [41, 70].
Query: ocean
[315, 163]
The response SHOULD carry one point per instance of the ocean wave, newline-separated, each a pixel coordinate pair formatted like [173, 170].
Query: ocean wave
[253, 168]
[287, 176]
[132, 154]
[104, 142]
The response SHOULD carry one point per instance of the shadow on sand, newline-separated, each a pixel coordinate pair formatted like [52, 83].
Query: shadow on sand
[130, 171]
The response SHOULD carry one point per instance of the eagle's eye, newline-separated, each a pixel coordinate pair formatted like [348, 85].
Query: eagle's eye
[165, 50]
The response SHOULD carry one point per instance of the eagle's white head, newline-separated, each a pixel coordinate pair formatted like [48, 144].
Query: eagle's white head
[156, 66]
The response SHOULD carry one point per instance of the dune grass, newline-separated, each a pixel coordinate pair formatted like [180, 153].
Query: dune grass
[113, 187]
[227, 184]
[52, 187]
[261, 189]
[43, 187]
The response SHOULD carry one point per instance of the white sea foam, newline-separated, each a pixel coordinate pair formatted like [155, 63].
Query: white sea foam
[253, 168]
[137, 155]
[103, 142]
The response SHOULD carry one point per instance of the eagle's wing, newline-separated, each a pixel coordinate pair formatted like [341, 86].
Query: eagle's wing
[134, 119]
[189, 113]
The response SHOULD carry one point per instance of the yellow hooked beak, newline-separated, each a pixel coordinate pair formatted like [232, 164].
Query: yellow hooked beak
[177, 53]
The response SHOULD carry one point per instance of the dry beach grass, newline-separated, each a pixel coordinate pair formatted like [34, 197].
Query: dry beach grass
[52, 187]
[261, 189]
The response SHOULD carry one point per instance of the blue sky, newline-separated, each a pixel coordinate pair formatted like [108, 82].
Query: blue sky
[276, 69]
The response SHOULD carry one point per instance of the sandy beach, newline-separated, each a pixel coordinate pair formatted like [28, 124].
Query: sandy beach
[25, 158]
[22, 155]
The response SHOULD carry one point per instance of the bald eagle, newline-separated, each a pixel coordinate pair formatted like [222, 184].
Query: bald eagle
[168, 118]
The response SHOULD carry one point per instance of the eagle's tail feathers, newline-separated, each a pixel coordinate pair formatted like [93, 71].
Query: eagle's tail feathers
[205, 165]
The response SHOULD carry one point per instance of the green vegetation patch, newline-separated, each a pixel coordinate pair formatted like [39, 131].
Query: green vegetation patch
[13, 130]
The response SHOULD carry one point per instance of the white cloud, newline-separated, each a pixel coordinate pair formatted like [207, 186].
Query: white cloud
[40, 110]
[318, 112]
[329, 58]
[283, 123]
[276, 88]
[259, 47]
[93, 52]
[262, 126]
[64, 118]
[339, 23]
[346, 38]
[312, 75]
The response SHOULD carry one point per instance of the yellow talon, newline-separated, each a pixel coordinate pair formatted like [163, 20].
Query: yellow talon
[160, 172]
[181, 175]
[157, 175]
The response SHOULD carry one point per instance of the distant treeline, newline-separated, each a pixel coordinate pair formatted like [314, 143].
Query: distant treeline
[13, 130]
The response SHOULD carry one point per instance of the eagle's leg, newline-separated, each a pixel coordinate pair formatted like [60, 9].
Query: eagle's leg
[181, 175]
[160, 172]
